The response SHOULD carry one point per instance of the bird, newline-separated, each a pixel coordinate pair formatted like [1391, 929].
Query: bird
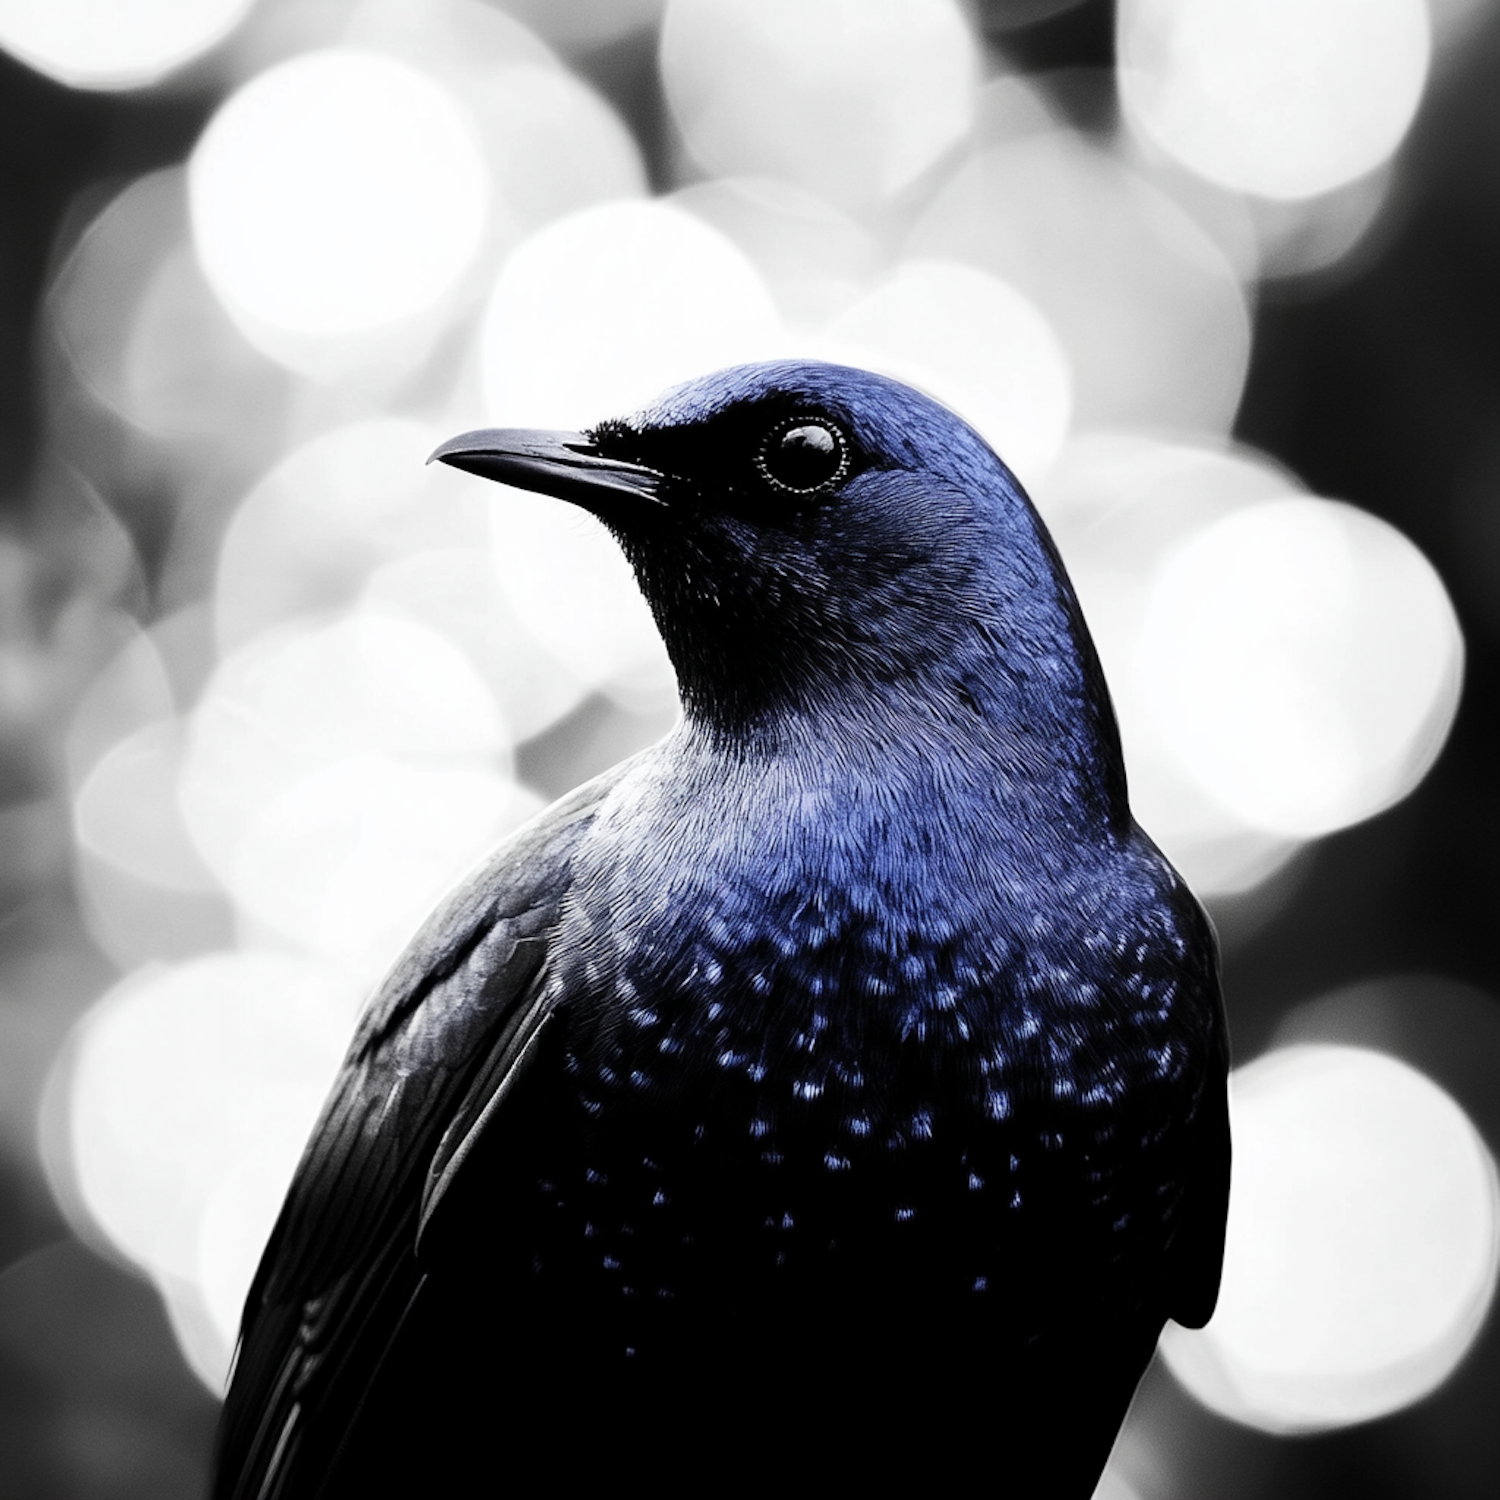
[833, 1092]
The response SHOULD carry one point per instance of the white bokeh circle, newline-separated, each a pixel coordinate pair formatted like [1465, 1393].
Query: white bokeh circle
[1118, 505]
[1285, 98]
[179, 1073]
[1151, 312]
[341, 775]
[1303, 661]
[1364, 1225]
[336, 193]
[851, 100]
[114, 44]
[975, 343]
[594, 315]
[569, 584]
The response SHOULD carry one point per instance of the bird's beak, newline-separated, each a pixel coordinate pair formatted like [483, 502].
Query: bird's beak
[567, 465]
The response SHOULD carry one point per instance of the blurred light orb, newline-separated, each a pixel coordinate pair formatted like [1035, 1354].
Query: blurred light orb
[300, 699]
[851, 98]
[341, 776]
[1447, 1028]
[1364, 1224]
[1299, 236]
[187, 369]
[1113, 1486]
[236, 1223]
[126, 810]
[134, 919]
[1149, 309]
[356, 514]
[114, 44]
[974, 343]
[1303, 661]
[144, 333]
[449, 39]
[180, 1075]
[816, 259]
[455, 591]
[315, 692]
[312, 530]
[1118, 504]
[594, 315]
[131, 691]
[570, 586]
[349, 858]
[554, 144]
[1284, 98]
[336, 193]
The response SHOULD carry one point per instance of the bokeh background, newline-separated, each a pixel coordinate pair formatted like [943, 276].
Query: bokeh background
[1219, 281]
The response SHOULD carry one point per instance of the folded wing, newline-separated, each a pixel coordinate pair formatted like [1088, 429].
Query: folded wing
[450, 1030]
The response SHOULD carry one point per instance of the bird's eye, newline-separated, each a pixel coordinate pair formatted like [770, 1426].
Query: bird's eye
[803, 455]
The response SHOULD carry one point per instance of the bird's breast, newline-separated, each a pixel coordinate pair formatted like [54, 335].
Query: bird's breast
[804, 1103]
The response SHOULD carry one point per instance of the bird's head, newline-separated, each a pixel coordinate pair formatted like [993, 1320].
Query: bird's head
[814, 539]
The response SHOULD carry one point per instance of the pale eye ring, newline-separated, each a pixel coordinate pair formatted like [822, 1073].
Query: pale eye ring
[803, 455]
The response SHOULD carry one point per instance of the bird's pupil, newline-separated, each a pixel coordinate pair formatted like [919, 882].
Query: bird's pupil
[804, 457]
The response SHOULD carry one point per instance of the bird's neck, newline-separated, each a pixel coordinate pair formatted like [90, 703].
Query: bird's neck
[965, 769]
[956, 670]
[1039, 751]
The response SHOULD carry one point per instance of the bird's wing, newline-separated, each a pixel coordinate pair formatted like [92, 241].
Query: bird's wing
[1195, 1259]
[435, 1053]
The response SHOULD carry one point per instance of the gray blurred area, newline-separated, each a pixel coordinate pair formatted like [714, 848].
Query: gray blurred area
[1375, 379]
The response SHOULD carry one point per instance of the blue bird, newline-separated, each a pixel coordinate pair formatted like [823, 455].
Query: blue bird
[833, 1092]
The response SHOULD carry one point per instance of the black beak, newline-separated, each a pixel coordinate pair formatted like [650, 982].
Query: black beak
[567, 465]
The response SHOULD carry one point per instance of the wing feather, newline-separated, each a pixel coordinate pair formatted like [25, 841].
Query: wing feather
[434, 1056]
[1196, 1258]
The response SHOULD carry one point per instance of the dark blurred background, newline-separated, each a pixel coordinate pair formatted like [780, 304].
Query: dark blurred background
[1373, 377]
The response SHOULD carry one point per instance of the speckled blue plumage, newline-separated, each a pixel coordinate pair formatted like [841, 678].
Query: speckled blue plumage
[847, 1065]
[1010, 1036]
